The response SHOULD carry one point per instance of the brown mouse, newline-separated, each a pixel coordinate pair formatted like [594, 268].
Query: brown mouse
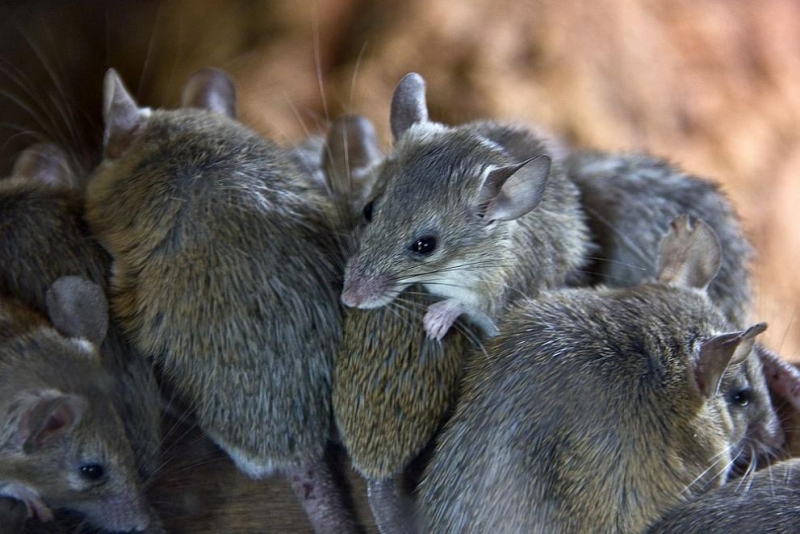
[392, 385]
[226, 274]
[478, 214]
[62, 443]
[629, 199]
[596, 410]
[43, 237]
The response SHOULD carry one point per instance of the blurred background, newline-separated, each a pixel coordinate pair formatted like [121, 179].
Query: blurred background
[713, 85]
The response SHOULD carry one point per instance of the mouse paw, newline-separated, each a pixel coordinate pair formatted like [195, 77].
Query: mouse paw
[440, 317]
[33, 502]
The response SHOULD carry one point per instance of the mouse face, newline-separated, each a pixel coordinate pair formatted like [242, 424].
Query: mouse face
[425, 225]
[63, 445]
[756, 431]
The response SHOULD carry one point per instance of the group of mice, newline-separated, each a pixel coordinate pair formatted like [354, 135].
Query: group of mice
[562, 334]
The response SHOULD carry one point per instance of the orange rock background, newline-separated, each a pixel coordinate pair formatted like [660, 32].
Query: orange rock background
[714, 85]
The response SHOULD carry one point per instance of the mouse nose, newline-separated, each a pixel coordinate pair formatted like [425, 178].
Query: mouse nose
[350, 296]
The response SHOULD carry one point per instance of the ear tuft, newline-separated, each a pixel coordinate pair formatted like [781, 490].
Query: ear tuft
[720, 352]
[515, 190]
[211, 89]
[78, 308]
[351, 150]
[408, 104]
[123, 119]
[689, 255]
[46, 163]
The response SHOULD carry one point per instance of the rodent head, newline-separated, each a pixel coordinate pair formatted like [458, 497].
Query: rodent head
[441, 205]
[62, 436]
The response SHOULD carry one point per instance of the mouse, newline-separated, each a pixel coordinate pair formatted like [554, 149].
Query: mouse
[478, 214]
[392, 384]
[43, 236]
[629, 198]
[765, 501]
[226, 274]
[62, 443]
[596, 409]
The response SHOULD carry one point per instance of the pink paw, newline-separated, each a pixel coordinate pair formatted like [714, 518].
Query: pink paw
[33, 503]
[440, 317]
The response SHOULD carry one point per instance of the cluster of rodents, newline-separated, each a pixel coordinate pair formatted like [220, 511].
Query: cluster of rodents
[503, 333]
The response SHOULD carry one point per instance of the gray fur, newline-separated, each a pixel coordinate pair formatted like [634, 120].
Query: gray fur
[42, 372]
[766, 501]
[430, 186]
[43, 237]
[227, 275]
[630, 199]
[585, 416]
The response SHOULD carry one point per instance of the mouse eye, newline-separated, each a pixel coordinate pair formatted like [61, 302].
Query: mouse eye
[424, 245]
[741, 398]
[368, 210]
[92, 472]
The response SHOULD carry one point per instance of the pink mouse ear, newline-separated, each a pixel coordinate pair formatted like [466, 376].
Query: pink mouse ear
[212, 90]
[39, 416]
[46, 163]
[123, 119]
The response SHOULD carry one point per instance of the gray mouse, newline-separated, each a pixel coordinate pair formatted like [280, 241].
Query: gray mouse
[629, 199]
[43, 237]
[478, 214]
[766, 501]
[62, 443]
[226, 274]
[392, 385]
[596, 410]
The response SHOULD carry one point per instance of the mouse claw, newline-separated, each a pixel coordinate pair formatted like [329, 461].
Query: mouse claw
[440, 317]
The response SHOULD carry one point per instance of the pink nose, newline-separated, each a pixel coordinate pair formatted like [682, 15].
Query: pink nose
[350, 296]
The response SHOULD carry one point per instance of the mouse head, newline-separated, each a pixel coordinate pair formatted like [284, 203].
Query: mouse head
[726, 370]
[65, 439]
[443, 202]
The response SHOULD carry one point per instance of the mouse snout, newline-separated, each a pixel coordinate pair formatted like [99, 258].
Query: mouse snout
[365, 292]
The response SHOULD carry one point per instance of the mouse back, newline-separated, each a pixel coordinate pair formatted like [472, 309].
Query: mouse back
[225, 271]
[63, 444]
[630, 198]
[392, 385]
[594, 409]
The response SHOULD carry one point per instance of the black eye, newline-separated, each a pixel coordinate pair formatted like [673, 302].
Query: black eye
[92, 472]
[368, 210]
[424, 245]
[741, 398]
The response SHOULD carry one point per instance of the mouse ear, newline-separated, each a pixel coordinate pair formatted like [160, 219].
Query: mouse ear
[46, 163]
[39, 416]
[783, 378]
[351, 150]
[210, 89]
[78, 308]
[510, 192]
[721, 351]
[123, 118]
[408, 104]
[689, 256]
